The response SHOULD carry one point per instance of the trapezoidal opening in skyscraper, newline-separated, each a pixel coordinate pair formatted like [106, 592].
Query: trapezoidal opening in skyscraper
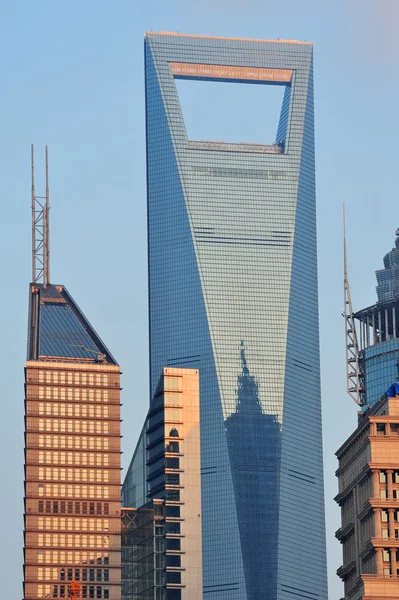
[246, 107]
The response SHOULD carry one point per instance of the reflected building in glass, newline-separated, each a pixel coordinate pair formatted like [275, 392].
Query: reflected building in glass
[233, 293]
[72, 454]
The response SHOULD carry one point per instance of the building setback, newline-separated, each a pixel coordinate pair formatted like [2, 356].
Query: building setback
[233, 293]
[368, 477]
[72, 453]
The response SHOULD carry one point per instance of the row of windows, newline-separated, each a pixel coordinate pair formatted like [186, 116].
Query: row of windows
[55, 425]
[73, 491]
[61, 591]
[78, 378]
[62, 540]
[56, 557]
[73, 458]
[48, 573]
[76, 524]
[62, 474]
[72, 442]
[76, 394]
[73, 410]
[77, 508]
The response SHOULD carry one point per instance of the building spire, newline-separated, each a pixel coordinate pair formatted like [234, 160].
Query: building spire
[354, 388]
[40, 228]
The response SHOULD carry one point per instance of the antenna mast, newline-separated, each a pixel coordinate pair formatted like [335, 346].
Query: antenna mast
[354, 388]
[40, 229]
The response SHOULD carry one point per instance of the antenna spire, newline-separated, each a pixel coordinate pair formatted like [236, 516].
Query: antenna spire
[354, 387]
[40, 228]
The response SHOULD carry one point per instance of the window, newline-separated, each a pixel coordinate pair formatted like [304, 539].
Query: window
[172, 527]
[383, 494]
[172, 495]
[381, 429]
[172, 511]
[384, 516]
[173, 577]
[173, 544]
[172, 479]
[173, 560]
[383, 477]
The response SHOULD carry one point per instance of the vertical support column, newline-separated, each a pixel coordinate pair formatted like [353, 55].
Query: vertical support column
[379, 564]
[386, 329]
[361, 335]
[368, 331]
[394, 322]
[391, 515]
[394, 568]
[377, 523]
[374, 329]
[379, 328]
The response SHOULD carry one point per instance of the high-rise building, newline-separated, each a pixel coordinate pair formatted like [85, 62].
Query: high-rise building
[368, 477]
[378, 334]
[388, 277]
[233, 293]
[161, 533]
[72, 443]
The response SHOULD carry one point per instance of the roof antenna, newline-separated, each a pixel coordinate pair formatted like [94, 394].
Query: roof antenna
[354, 388]
[40, 228]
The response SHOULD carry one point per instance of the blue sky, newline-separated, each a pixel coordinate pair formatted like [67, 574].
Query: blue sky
[72, 77]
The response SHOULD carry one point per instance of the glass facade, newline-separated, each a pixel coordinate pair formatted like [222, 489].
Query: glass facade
[378, 333]
[388, 277]
[72, 454]
[233, 292]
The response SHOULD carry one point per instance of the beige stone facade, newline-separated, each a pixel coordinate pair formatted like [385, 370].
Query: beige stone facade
[368, 477]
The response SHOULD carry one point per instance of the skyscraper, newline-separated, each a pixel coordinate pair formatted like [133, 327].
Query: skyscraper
[72, 442]
[378, 333]
[233, 292]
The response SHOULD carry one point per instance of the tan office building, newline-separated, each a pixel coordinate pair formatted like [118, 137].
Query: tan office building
[72, 454]
[162, 534]
[368, 477]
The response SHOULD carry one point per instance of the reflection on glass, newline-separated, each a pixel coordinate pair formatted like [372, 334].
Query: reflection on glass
[254, 443]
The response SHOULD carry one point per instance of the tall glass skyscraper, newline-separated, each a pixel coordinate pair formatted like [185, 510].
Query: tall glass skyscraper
[378, 333]
[233, 292]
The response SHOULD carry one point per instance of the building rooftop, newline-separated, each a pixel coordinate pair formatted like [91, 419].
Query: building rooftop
[217, 37]
[59, 330]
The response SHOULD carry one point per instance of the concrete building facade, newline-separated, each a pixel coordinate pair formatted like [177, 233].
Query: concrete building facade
[167, 517]
[368, 477]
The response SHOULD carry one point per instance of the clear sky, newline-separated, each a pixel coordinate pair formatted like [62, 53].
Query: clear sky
[72, 77]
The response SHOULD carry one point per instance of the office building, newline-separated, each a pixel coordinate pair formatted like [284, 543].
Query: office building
[72, 444]
[368, 477]
[161, 495]
[378, 333]
[233, 293]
